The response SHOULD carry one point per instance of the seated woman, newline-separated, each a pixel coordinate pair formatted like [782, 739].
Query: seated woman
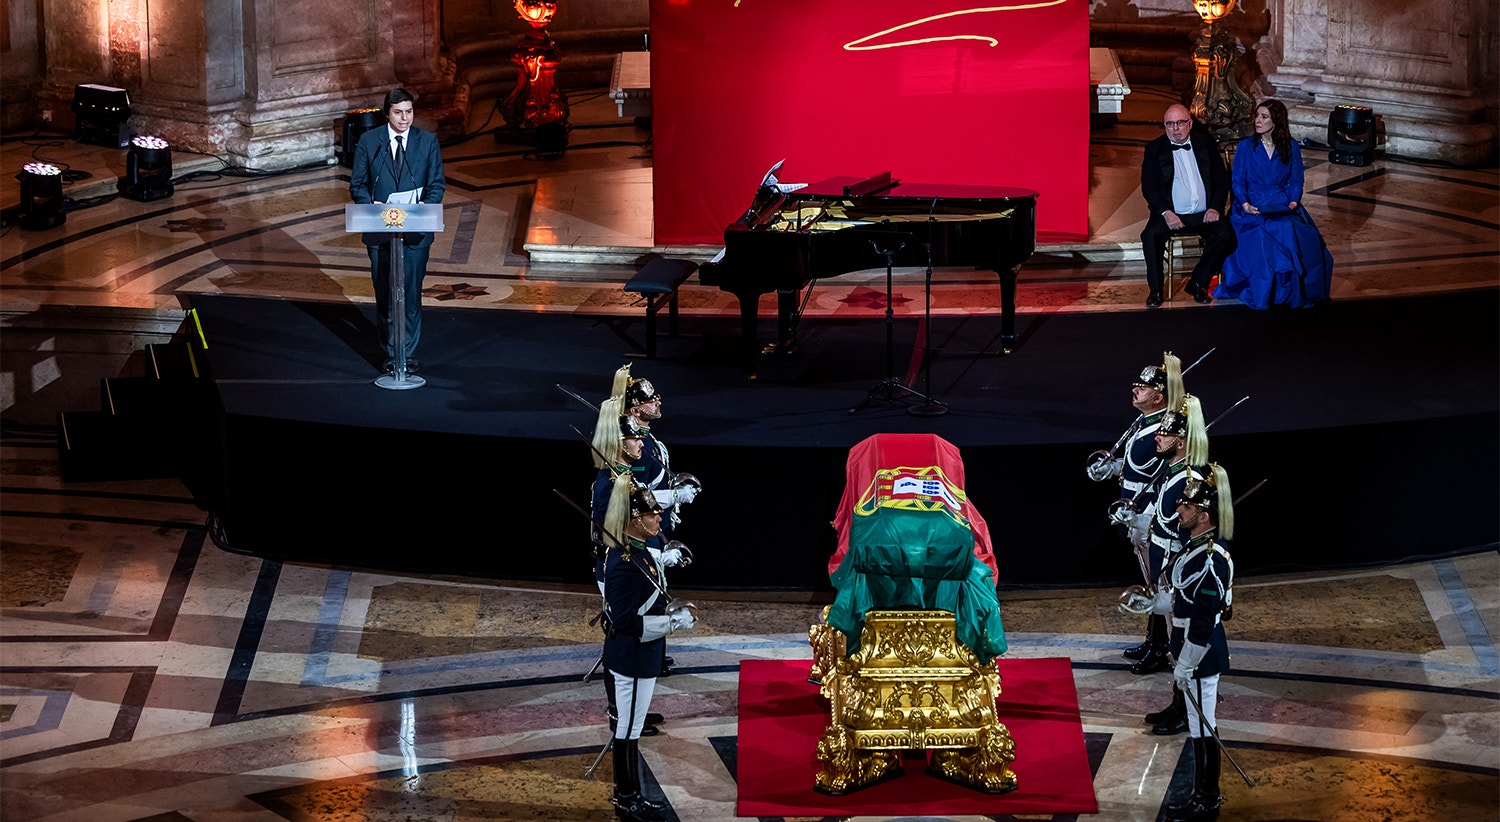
[1281, 258]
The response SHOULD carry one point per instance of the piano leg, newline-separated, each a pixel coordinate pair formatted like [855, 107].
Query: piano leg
[749, 319]
[786, 327]
[1008, 308]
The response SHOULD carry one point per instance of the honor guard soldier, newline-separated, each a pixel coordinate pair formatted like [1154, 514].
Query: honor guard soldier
[640, 616]
[617, 447]
[1182, 444]
[1202, 584]
[1158, 388]
[642, 403]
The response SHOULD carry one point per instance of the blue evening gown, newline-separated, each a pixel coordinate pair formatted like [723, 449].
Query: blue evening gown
[1280, 258]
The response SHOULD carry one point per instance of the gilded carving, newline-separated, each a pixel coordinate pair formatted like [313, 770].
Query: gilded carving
[911, 686]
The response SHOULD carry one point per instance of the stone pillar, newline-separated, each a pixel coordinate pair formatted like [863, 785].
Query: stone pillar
[261, 83]
[1418, 63]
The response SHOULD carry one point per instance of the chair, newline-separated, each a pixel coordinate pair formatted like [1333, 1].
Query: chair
[1179, 256]
[659, 280]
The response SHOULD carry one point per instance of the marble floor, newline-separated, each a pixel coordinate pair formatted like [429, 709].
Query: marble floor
[147, 675]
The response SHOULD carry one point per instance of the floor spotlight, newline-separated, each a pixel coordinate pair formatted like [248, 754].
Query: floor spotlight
[1351, 135]
[356, 123]
[148, 170]
[41, 196]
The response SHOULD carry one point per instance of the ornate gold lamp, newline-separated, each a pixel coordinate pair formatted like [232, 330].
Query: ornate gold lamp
[911, 686]
[1218, 100]
[535, 101]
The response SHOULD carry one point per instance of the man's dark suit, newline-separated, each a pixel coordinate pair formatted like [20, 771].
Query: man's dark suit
[1157, 174]
[374, 178]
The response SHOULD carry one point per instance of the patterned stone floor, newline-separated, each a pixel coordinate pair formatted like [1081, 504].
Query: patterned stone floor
[147, 675]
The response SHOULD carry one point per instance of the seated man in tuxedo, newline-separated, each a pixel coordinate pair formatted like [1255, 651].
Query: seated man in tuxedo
[1185, 184]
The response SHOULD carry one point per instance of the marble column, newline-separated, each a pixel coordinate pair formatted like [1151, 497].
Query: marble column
[1420, 64]
[260, 83]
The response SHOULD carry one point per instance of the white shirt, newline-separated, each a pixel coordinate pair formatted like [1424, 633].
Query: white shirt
[414, 195]
[405, 140]
[1188, 196]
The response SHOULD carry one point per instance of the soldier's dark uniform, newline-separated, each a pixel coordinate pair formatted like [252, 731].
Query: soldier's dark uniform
[1202, 580]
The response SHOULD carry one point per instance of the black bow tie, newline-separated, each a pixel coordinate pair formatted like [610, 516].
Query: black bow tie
[1183, 147]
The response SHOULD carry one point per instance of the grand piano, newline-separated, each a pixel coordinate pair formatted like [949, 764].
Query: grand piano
[790, 237]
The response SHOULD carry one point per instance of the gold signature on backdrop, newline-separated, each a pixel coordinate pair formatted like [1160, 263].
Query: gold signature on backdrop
[864, 44]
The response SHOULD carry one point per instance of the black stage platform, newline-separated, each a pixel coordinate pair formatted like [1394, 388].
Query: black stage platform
[1374, 422]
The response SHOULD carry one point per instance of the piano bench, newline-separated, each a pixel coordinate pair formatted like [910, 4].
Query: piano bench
[659, 280]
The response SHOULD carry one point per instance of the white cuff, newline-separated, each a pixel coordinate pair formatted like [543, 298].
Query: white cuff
[655, 627]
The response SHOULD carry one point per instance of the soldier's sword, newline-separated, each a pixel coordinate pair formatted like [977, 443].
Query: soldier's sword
[1200, 359]
[570, 392]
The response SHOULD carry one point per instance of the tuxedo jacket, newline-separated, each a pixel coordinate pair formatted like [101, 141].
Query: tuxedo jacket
[374, 177]
[1158, 172]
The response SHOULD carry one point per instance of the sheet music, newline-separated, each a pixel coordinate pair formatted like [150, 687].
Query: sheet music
[405, 197]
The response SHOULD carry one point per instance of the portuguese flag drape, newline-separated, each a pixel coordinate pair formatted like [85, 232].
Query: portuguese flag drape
[910, 538]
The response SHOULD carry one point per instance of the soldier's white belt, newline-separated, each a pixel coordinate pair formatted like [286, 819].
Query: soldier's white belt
[1133, 486]
[1168, 544]
[1183, 622]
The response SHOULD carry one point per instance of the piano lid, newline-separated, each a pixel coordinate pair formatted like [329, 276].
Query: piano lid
[834, 187]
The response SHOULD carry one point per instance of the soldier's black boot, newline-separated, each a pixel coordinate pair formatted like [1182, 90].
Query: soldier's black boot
[1171, 720]
[1182, 808]
[655, 810]
[1176, 709]
[1207, 800]
[1135, 652]
[630, 806]
[1155, 658]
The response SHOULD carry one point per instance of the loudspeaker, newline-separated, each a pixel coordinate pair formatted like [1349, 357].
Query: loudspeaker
[1351, 135]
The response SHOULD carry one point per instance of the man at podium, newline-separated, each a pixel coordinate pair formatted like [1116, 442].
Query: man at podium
[398, 164]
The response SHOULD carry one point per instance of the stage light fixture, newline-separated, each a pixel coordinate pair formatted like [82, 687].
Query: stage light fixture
[148, 170]
[1351, 135]
[41, 196]
[356, 123]
[100, 114]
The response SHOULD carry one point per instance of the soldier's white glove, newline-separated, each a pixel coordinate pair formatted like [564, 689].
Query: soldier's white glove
[683, 620]
[1139, 529]
[676, 555]
[687, 493]
[1187, 662]
[1106, 468]
[1161, 602]
[672, 497]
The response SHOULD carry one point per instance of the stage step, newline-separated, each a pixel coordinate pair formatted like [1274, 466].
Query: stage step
[147, 427]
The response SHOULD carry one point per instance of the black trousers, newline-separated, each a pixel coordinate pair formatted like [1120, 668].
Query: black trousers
[1218, 242]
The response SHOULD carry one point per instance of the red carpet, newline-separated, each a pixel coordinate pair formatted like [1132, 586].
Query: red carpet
[782, 717]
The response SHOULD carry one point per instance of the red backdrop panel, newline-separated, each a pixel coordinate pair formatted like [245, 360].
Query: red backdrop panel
[737, 85]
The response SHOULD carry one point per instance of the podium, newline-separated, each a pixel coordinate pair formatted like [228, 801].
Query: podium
[395, 219]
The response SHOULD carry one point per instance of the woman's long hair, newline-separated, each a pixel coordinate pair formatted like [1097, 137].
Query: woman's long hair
[1281, 133]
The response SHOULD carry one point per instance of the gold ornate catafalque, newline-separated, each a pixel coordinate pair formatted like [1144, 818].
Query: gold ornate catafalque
[911, 686]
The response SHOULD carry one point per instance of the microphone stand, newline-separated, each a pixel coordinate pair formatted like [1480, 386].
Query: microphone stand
[890, 389]
[930, 407]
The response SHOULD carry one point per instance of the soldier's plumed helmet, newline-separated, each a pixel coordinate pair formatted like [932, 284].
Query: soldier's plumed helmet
[642, 501]
[1200, 491]
[630, 429]
[1152, 376]
[640, 391]
[1174, 423]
